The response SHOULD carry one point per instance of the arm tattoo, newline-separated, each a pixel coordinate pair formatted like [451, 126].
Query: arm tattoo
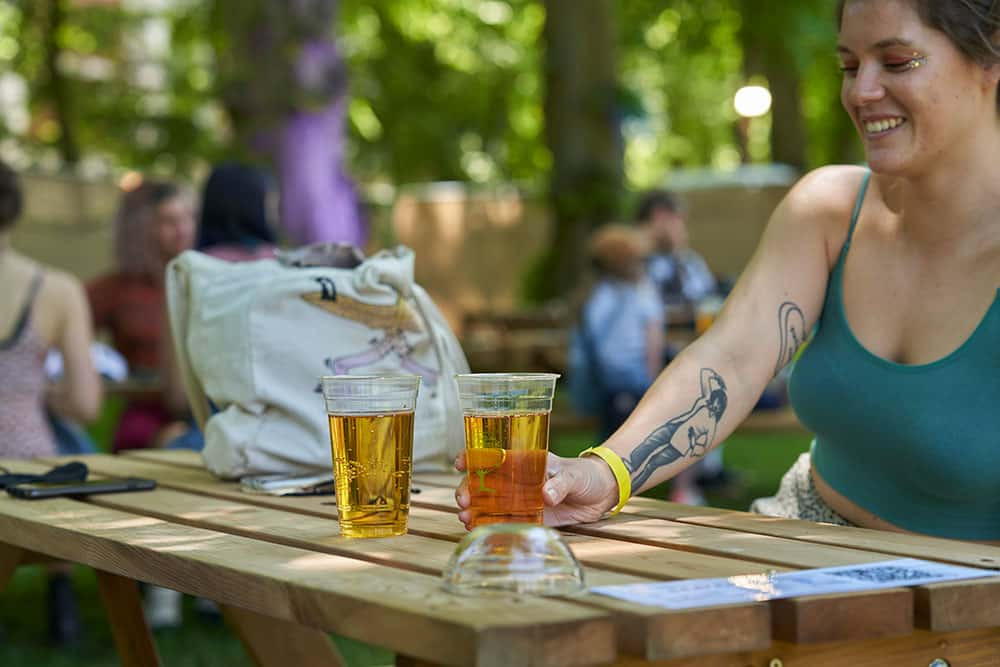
[687, 434]
[791, 332]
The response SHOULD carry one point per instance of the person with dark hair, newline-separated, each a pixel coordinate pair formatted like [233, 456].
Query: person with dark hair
[154, 223]
[234, 214]
[894, 269]
[41, 309]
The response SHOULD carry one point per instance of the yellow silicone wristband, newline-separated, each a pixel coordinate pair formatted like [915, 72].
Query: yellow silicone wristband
[620, 472]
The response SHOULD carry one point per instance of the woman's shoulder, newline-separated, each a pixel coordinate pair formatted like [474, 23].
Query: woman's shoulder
[60, 286]
[821, 203]
[826, 192]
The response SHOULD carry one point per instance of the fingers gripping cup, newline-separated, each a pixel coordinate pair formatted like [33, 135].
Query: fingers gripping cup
[506, 443]
[371, 437]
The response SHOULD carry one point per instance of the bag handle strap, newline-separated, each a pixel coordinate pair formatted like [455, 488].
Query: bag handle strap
[178, 303]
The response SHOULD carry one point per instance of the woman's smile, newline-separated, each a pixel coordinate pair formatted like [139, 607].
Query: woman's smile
[879, 127]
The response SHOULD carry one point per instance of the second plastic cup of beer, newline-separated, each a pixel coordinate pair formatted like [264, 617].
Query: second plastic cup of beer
[506, 443]
[371, 437]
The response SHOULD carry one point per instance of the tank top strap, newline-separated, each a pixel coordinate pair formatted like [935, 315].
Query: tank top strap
[857, 210]
[25, 315]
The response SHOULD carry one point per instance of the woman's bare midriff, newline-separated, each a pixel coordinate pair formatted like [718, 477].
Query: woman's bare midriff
[856, 514]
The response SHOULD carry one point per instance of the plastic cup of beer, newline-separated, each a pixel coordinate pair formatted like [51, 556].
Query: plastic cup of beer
[371, 437]
[506, 443]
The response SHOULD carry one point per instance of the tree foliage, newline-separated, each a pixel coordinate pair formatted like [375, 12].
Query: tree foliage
[440, 89]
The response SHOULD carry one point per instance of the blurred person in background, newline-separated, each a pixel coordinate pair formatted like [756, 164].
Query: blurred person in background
[41, 309]
[233, 225]
[621, 330]
[621, 323]
[234, 222]
[681, 275]
[683, 280]
[155, 222]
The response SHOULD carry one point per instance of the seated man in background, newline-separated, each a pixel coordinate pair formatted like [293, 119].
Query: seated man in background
[679, 273]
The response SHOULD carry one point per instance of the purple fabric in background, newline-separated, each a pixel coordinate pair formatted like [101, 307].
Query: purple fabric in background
[285, 86]
[318, 201]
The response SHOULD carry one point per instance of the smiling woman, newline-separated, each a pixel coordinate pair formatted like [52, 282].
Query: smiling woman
[895, 270]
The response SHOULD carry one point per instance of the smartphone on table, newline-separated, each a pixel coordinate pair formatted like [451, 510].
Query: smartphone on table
[37, 490]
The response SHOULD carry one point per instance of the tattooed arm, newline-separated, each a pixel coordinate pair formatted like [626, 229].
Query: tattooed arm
[713, 384]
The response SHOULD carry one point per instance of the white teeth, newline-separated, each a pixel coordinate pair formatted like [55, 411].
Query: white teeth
[882, 125]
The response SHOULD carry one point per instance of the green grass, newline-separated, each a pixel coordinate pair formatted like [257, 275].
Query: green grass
[200, 642]
[761, 459]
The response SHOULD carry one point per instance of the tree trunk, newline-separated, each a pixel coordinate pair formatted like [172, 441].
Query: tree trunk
[56, 89]
[768, 56]
[284, 86]
[582, 132]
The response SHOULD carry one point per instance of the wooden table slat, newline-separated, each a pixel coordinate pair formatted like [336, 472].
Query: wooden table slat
[974, 648]
[907, 545]
[904, 545]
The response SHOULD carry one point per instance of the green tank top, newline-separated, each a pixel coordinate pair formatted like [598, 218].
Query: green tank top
[917, 445]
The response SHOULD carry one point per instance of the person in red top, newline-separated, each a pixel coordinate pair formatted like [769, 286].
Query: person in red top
[155, 223]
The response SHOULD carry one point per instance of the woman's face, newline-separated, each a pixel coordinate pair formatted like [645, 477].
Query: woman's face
[911, 93]
[174, 227]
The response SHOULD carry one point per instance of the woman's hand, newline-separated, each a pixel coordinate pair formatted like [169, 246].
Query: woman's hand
[576, 491]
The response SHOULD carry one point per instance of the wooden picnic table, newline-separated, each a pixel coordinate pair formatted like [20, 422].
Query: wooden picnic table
[284, 577]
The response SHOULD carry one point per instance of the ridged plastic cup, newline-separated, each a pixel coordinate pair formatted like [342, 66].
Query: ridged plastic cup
[506, 443]
[371, 440]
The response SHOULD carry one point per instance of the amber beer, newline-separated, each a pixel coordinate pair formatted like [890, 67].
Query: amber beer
[372, 462]
[506, 456]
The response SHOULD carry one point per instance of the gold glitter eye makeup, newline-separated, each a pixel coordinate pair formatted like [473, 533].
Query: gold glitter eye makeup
[916, 60]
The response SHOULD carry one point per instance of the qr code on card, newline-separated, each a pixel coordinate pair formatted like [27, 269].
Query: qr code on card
[884, 573]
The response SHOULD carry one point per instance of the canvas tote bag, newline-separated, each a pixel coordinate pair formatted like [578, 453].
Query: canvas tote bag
[253, 338]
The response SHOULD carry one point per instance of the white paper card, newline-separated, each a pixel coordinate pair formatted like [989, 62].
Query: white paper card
[759, 587]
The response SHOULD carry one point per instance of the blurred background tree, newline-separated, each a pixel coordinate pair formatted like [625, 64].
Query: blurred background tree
[284, 85]
[595, 98]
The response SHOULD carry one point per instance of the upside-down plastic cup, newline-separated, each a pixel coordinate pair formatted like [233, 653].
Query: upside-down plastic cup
[513, 558]
[506, 443]
[371, 438]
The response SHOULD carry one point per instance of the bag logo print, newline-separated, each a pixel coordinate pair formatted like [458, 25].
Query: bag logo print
[394, 320]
